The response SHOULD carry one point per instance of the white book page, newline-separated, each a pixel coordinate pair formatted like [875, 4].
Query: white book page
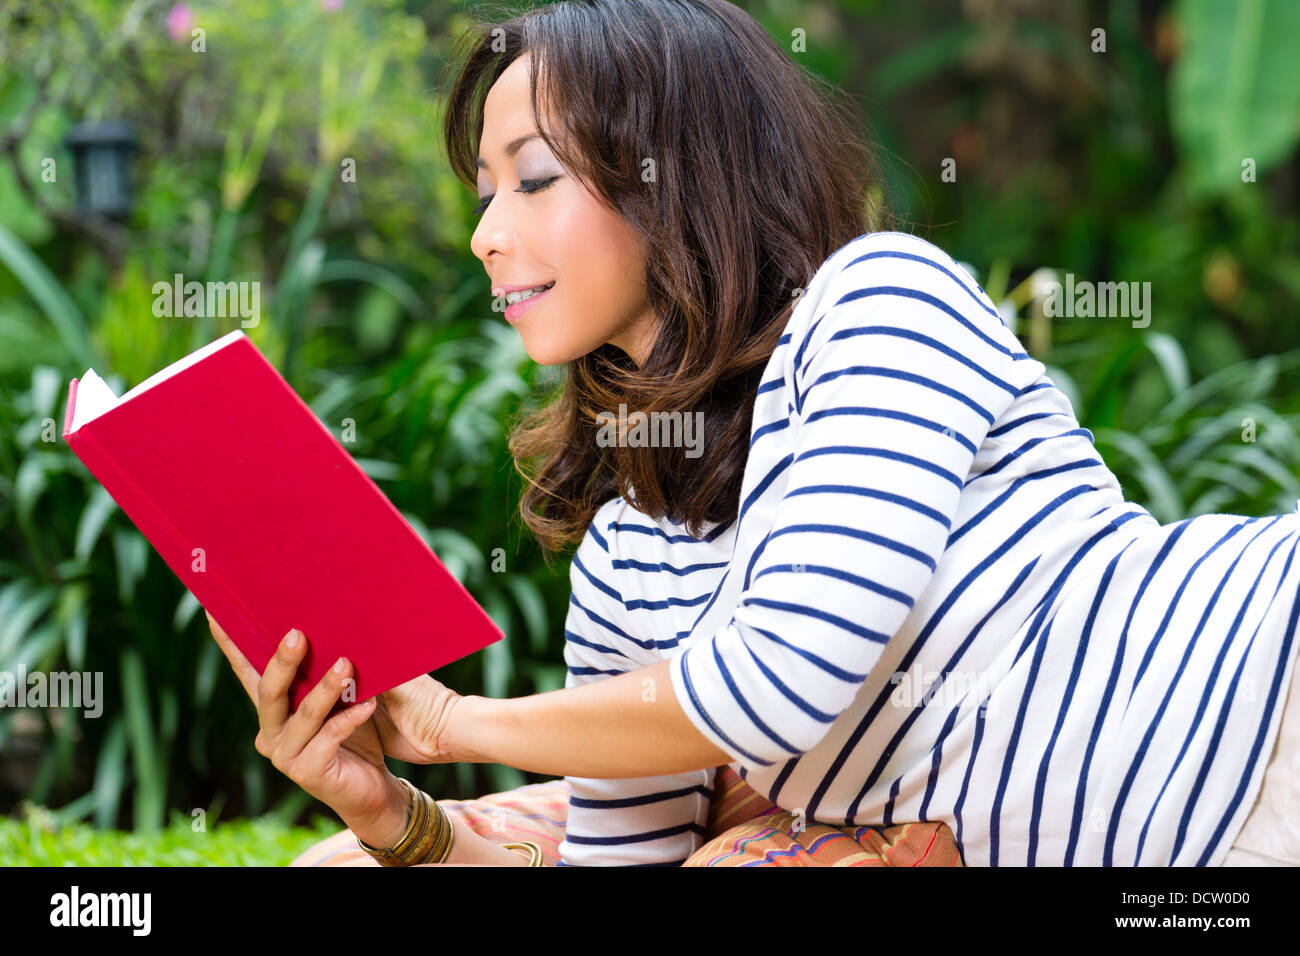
[94, 397]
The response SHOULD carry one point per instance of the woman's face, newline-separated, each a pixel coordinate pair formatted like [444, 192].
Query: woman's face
[541, 226]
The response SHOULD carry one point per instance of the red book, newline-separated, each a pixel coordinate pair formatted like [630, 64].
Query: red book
[265, 517]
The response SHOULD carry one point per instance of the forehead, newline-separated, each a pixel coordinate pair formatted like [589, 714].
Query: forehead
[508, 115]
[508, 100]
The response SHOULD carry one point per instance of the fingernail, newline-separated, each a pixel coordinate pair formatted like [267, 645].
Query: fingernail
[292, 640]
[341, 665]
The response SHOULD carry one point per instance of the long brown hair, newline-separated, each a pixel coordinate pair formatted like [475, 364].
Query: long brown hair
[758, 173]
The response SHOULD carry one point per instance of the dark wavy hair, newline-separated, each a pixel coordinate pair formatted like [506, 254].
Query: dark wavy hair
[761, 173]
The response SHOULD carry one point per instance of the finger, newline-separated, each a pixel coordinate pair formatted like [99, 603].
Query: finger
[246, 672]
[323, 747]
[273, 687]
[315, 708]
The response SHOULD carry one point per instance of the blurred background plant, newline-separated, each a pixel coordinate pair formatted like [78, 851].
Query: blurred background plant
[1162, 150]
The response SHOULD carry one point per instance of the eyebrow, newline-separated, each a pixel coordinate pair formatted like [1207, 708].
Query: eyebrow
[512, 147]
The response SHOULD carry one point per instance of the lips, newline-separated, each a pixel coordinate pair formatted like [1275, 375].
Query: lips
[516, 309]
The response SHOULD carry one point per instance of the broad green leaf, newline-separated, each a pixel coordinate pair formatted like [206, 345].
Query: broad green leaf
[45, 289]
[380, 470]
[498, 661]
[1267, 465]
[19, 612]
[30, 484]
[73, 614]
[205, 677]
[47, 386]
[548, 677]
[532, 606]
[110, 774]
[150, 782]
[1163, 498]
[458, 553]
[342, 270]
[1172, 360]
[1235, 89]
[131, 551]
[187, 608]
[38, 650]
[93, 519]
[1229, 475]
[1214, 501]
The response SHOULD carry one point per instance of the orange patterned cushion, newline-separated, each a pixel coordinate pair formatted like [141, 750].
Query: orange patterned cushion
[745, 829]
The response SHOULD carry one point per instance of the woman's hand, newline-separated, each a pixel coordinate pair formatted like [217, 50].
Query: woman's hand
[307, 746]
[411, 720]
[408, 722]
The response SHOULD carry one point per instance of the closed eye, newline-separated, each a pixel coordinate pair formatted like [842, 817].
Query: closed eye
[525, 186]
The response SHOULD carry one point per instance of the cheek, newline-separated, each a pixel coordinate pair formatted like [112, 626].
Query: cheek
[583, 225]
[598, 256]
[597, 246]
[580, 236]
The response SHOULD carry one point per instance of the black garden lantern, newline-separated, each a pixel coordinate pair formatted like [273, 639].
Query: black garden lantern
[101, 155]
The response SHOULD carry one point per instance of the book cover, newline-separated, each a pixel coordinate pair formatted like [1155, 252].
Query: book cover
[270, 523]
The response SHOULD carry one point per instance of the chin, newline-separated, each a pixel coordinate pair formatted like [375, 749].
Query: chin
[547, 353]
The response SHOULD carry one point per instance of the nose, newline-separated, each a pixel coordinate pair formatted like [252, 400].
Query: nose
[492, 235]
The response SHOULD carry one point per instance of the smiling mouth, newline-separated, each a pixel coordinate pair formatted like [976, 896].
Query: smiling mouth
[524, 295]
[516, 309]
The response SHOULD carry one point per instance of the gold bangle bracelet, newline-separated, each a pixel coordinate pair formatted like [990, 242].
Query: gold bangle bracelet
[435, 845]
[428, 836]
[534, 851]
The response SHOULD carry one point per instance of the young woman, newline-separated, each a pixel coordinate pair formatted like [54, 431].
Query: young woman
[894, 582]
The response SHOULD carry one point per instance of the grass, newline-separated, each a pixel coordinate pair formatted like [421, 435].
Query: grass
[37, 841]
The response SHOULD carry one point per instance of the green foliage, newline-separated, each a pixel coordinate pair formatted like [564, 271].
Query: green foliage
[1235, 92]
[40, 840]
[430, 433]
[1219, 446]
[46, 291]
[375, 316]
[1228, 443]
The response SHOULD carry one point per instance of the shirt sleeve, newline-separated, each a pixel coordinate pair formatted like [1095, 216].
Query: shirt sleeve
[637, 821]
[897, 371]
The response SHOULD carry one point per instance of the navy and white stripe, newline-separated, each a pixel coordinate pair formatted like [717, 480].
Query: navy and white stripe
[920, 500]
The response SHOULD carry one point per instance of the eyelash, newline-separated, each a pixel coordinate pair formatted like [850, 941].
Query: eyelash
[536, 184]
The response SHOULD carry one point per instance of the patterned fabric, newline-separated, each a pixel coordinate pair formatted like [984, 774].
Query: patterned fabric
[747, 830]
[534, 812]
[744, 830]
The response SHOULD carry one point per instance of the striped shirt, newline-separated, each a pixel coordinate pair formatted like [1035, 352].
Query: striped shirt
[936, 604]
